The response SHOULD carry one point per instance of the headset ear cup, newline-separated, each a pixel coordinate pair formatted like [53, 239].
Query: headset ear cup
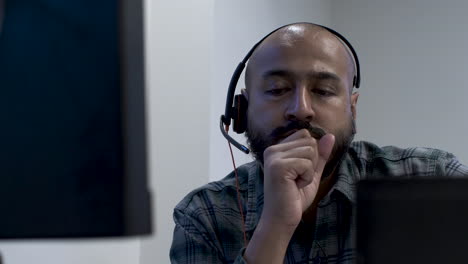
[239, 115]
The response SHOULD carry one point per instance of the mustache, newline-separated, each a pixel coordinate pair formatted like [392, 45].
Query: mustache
[314, 131]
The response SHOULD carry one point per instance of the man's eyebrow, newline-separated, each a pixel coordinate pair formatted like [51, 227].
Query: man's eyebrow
[322, 75]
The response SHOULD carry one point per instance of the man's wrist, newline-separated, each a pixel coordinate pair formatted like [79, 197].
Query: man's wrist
[269, 242]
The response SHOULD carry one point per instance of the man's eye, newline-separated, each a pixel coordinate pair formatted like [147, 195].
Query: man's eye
[323, 92]
[277, 91]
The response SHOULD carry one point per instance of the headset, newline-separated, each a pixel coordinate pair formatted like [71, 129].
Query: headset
[236, 105]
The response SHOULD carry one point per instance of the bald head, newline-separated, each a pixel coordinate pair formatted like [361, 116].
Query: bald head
[306, 37]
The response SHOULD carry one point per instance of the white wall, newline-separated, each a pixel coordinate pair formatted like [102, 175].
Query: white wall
[238, 25]
[179, 41]
[73, 251]
[414, 60]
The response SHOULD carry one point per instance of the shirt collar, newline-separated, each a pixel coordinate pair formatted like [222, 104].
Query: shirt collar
[347, 176]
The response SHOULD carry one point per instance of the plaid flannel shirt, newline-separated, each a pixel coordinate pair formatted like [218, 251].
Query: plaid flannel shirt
[208, 221]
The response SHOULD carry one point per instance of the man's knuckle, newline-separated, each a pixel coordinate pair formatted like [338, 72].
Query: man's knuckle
[310, 149]
[304, 133]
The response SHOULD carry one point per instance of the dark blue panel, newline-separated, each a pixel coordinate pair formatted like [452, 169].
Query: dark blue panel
[60, 113]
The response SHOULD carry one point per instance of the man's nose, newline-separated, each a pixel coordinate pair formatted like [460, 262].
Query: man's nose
[300, 106]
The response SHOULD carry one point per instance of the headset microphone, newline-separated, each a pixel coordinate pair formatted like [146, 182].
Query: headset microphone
[230, 139]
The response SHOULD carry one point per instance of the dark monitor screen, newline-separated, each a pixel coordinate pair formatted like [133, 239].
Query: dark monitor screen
[412, 220]
[72, 137]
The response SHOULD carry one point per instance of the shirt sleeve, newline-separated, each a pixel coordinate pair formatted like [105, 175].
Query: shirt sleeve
[454, 168]
[192, 243]
[189, 246]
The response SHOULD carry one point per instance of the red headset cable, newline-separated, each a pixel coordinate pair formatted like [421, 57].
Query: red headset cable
[237, 189]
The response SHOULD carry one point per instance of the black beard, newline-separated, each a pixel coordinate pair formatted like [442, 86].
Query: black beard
[258, 142]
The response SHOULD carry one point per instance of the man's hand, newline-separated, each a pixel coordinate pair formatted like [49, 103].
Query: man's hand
[292, 172]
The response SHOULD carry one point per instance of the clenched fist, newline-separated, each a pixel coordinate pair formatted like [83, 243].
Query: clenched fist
[292, 173]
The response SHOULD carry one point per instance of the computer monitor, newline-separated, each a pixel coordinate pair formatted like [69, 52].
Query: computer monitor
[412, 220]
[73, 155]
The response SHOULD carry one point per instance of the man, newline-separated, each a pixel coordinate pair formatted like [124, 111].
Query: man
[298, 196]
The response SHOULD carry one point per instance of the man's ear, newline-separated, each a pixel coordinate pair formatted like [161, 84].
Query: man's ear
[354, 100]
[245, 93]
